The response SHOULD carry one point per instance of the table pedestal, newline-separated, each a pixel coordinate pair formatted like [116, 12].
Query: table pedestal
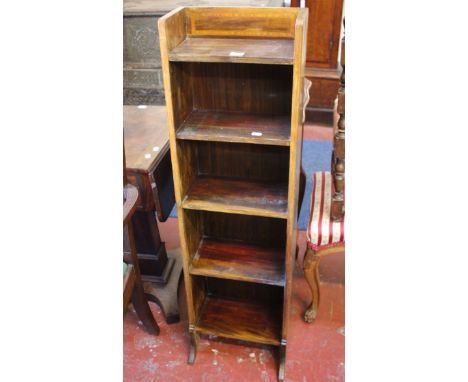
[166, 295]
[160, 270]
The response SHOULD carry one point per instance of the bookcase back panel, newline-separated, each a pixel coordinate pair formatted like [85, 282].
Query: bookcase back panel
[248, 88]
[243, 161]
[251, 229]
[265, 294]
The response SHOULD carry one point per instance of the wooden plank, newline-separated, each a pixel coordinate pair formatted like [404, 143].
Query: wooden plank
[239, 261]
[255, 51]
[242, 320]
[238, 197]
[236, 127]
[241, 22]
[300, 44]
[171, 32]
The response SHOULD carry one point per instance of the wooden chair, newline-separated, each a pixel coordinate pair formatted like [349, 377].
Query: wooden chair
[132, 284]
[325, 231]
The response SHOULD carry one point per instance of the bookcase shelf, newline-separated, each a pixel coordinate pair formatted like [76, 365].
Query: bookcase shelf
[235, 94]
[239, 261]
[216, 126]
[238, 197]
[254, 51]
[241, 320]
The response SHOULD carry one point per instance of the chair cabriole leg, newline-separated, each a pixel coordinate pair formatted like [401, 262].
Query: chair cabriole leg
[311, 266]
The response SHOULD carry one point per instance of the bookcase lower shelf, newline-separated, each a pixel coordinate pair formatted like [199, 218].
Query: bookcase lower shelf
[241, 320]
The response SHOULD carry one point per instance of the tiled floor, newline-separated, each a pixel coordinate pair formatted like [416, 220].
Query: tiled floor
[315, 351]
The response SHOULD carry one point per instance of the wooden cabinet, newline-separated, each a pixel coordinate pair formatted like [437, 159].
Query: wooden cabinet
[323, 42]
[235, 94]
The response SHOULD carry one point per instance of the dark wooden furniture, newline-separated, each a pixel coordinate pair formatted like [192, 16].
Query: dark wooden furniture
[325, 232]
[142, 73]
[132, 283]
[323, 42]
[235, 93]
[149, 169]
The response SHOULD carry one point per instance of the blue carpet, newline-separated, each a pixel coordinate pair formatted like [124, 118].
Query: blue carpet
[316, 156]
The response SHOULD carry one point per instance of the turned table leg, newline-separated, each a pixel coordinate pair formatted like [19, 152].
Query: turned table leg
[311, 273]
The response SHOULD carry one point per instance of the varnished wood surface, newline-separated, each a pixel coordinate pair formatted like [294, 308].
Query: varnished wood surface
[241, 22]
[161, 7]
[238, 179]
[260, 231]
[238, 196]
[236, 127]
[239, 261]
[130, 202]
[241, 50]
[323, 32]
[300, 43]
[240, 88]
[144, 130]
[128, 285]
[242, 320]
[265, 163]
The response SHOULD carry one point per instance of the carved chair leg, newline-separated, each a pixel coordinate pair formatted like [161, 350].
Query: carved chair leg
[140, 303]
[311, 273]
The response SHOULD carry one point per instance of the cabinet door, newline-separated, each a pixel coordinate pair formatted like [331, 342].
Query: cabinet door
[324, 32]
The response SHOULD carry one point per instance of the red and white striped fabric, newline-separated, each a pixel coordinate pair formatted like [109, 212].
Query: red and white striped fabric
[322, 231]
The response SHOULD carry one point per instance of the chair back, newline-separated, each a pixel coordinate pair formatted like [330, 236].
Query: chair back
[338, 157]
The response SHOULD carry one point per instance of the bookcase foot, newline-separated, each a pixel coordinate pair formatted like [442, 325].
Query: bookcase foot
[282, 360]
[193, 346]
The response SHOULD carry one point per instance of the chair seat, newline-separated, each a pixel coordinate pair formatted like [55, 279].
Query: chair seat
[322, 231]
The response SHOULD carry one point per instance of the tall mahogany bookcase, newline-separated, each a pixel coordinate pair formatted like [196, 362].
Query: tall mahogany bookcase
[235, 94]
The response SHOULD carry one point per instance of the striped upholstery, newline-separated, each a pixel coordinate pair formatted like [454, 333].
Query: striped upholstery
[322, 232]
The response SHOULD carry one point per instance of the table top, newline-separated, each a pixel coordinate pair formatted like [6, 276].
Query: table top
[146, 137]
[161, 7]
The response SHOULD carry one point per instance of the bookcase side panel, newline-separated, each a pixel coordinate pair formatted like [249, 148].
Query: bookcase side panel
[172, 29]
[300, 44]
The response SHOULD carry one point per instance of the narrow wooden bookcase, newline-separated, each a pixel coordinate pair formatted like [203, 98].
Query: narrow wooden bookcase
[235, 94]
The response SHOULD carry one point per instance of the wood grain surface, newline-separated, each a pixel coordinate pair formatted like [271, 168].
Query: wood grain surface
[241, 22]
[242, 320]
[226, 176]
[238, 196]
[256, 51]
[144, 130]
[239, 261]
[236, 127]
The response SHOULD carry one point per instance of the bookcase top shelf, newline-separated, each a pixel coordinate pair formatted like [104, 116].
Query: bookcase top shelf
[240, 50]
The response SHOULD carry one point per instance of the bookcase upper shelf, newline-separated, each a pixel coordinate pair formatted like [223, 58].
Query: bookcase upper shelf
[241, 50]
[236, 127]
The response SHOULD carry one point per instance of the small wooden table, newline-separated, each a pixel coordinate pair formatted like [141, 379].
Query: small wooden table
[149, 168]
